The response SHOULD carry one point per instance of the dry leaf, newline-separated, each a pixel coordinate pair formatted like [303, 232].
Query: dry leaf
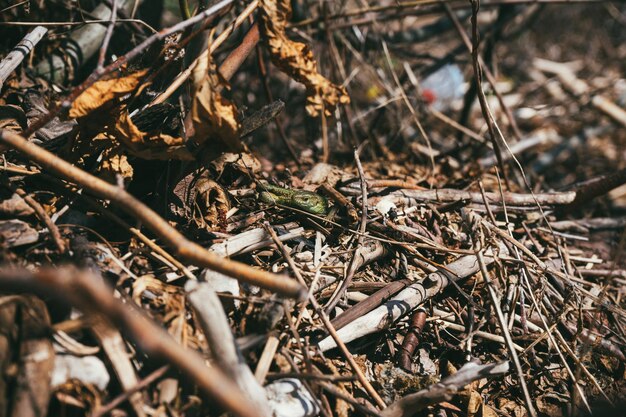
[296, 60]
[243, 162]
[213, 116]
[13, 118]
[114, 163]
[103, 92]
[551, 404]
[474, 402]
[148, 145]
[487, 411]
[211, 205]
[201, 200]
[511, 407]
[165, 301]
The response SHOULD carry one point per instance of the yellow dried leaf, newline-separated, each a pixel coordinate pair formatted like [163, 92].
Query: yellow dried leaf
[147, 145]
[210, 204]
[213, 116]
[114, 163]
[103, 92]
[296, 59]
[243, 162]
[474, 403]
[488, 411]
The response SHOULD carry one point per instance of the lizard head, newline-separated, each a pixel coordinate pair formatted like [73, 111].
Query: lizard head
[310, 202]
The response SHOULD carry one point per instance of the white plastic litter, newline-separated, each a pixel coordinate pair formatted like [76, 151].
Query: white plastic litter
[443, 87]
[289, 398]
[385, 205]
[221, 283]
[87, 369]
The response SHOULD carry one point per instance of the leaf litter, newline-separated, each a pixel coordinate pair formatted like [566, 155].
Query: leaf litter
[474, 287]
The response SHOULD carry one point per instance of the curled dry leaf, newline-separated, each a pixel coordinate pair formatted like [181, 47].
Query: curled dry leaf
[105, 95]
[103, 92]
[149, 145]
[244, 163]
[13, 118]
[114, 163]
[211, 205]
[296, 59]
[213, 116]
[167, 303]
[201, 200]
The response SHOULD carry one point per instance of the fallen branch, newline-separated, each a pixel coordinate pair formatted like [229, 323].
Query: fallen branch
[408, 299]
[354, 264]
[225, 353]
[449, 195]
[89, 294]
[445, 389]
[21, 50]
[182, 247]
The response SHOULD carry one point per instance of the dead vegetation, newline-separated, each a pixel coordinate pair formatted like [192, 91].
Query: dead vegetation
[298, 208]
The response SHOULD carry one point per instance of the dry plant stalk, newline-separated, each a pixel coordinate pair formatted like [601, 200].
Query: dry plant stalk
[92, 296]
[296, 60]
[184, 248]
[445, 389]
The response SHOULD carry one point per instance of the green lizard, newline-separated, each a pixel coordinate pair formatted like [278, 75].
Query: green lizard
[303, 200]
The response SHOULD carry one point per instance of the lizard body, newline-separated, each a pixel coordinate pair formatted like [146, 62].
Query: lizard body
[304, 200]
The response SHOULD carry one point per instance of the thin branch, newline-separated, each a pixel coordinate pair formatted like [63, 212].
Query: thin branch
[355, 367]
[182, 247]
[107, 36]
[92, 296]
[494, 131]
[184, 75]
[353, 264]
[110, 406]
[65, 104]
[445, 389]
[495, 302]
[43, 216]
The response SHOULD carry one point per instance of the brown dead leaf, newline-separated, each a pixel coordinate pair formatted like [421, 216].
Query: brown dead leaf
[103, 92]
[487, 411]
[114, 163]
[511, 407]
[296, 59]
[167, 302]
[211, 205]
[213, 116]
[551, 404]
[474, 401]
[13, 118]
[242, 162]
[148, 145]
[199, 199]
